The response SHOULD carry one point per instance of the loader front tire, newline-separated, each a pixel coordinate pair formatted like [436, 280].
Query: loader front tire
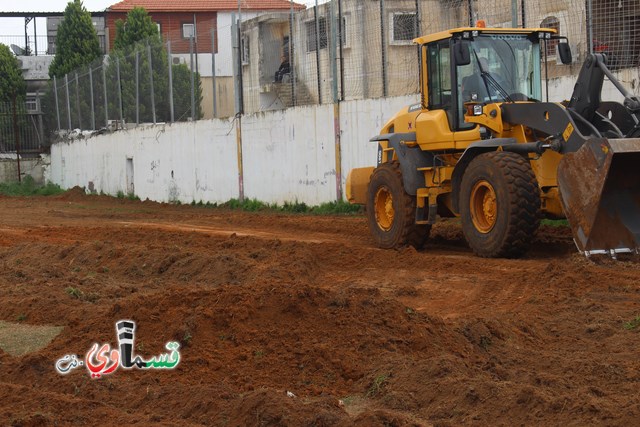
[499, 205]
[391, 211]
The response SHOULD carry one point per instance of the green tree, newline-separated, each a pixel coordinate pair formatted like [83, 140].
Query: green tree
[11, 81]
[77, 42]
[135, 37]
[182, 92]
[137, 27]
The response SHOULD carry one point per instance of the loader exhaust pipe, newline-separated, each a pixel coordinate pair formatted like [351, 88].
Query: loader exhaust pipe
[600, 193]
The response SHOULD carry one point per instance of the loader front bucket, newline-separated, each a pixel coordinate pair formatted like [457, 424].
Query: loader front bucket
[600, 192]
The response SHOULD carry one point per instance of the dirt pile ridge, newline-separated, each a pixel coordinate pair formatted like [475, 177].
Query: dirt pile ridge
[299, 320]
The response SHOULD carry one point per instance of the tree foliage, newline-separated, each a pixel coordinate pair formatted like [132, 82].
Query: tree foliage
[135, 39]
[182, 92]
[77, 42]
[137, 27]
[11, 81]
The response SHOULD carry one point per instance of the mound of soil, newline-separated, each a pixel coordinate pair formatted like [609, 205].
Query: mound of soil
[289, 320]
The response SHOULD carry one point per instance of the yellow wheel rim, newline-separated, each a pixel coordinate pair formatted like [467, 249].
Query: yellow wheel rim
[383, 205]
[484, 208]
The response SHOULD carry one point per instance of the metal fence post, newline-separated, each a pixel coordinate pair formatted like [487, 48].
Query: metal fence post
[590, 25]
[55, 93]
[153, 101]
[333, 53]
[384, 50]
[292, 56]
[66, 83]
[341, 41]
[213, 73]
[16, 134]
[193, 100]
[93, 114]
[78, 101]
[315, 17]
[137, 87]
[119, 92]
[106, 104]
[171, 111]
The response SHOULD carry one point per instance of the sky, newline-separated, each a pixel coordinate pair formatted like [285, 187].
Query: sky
[15, 26]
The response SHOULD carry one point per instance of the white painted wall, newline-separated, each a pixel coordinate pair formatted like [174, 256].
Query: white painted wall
[288, 155]
[180, 162]
[224, 57]
[561, 88]
[28, 166]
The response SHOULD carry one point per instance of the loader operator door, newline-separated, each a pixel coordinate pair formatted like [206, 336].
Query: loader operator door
[442, 126]
[439, 80]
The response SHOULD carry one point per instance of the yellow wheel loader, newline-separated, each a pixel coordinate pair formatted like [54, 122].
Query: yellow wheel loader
[482, 146]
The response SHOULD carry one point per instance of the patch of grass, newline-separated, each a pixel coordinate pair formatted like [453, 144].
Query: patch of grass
[555, 222]
[21, 317]
[74, 292]
[295, 207]
[336, 208]
[377, 385]
[120, 194]
[186, 339]
[132, 196]
[410, 311]
[485, 343]
[632, 324]
[28, 187]
[249, 205]
[17, 339]
[254, 205]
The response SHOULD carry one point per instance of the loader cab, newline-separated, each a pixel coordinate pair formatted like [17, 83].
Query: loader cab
[479, 65]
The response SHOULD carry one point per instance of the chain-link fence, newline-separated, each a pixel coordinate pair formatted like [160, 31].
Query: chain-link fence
[350, 49]
[338, 50]
[143, 83]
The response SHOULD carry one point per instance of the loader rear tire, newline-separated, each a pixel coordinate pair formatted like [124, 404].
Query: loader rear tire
[499, 205]
[391, 211]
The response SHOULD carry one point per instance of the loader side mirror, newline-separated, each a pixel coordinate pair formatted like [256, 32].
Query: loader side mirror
[564, 50]
[461, 52]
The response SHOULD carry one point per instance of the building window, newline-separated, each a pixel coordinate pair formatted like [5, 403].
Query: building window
[33, 104]
[188, 31]
[403, 27]
[245, 50]
[345, 35]
[553, 23]
[311, 34]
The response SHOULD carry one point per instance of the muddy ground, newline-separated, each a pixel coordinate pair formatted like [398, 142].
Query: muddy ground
[268, 303]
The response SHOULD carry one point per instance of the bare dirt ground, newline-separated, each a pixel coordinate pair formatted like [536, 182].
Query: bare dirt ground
[265, 303]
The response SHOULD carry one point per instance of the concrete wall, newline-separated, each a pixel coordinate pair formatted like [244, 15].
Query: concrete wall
[32, 167]
[288, 155]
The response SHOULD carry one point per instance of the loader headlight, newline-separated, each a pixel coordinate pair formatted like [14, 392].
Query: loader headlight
[474, 109]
